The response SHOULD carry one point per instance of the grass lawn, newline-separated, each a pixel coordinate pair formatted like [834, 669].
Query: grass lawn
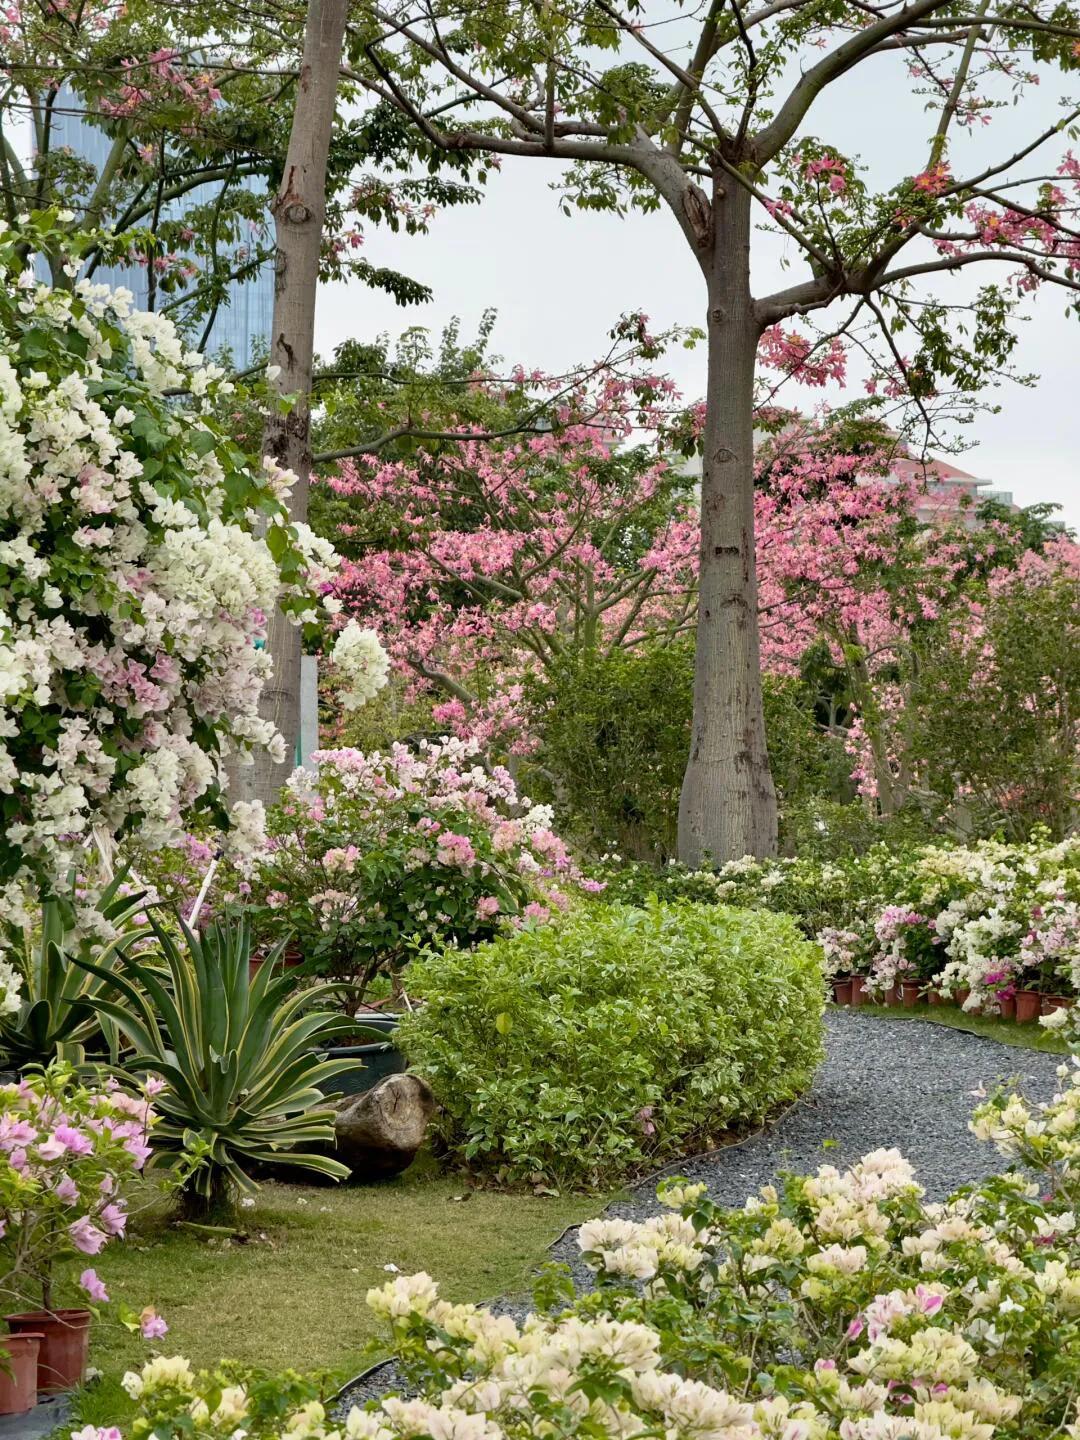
[1030, 1037]
[291, 1295]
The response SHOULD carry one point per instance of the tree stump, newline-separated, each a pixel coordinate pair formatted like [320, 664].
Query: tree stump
[378, 1132]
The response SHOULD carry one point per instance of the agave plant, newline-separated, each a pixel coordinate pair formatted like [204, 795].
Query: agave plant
[235, 1052]
[57, 1019]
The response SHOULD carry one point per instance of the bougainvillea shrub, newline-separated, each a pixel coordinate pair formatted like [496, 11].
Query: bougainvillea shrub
[371, 857]
[142, 552]
[841, 1305]
[67, 1151]
[989, 918]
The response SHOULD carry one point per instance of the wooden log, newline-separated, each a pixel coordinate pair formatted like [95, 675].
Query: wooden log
[379, 1131]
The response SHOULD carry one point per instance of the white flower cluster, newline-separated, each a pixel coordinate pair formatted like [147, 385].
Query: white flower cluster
[362, 662]
[137, 576]
[10, 988]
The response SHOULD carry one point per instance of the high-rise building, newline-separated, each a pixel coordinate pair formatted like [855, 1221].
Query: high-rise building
[241, 327]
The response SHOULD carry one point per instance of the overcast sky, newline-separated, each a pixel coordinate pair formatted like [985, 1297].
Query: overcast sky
[559, 284]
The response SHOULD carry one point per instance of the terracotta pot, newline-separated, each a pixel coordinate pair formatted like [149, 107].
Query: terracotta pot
[1051, 1003]
[65, 1344]
[960, 997]
[1028, 1006]
[841, 990]
[858, 990]
[892, 995]
[18, 1372]
[935, 997]
[1007, 1006]
[288, 961]
[910, 994]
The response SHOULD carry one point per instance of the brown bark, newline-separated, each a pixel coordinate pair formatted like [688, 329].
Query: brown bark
[728, 804]
[299, 209]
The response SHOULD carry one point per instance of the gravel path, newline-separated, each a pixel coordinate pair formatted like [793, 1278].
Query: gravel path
[884, 1082]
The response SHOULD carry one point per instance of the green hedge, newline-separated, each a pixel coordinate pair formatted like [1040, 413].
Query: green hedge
[614, 1039]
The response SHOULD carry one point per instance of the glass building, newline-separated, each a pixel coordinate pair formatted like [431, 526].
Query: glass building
[242, 325]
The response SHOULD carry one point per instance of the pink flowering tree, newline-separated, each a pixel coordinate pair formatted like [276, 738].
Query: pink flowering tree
[505, 557]
[854, 559]
[716, 115]
[497, 568]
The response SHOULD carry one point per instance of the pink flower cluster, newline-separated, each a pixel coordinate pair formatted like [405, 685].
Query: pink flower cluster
[65, 1152]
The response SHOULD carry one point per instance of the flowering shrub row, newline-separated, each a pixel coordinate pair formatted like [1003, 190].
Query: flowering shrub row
[834, 1306]
[988, 919]
[613, 1038]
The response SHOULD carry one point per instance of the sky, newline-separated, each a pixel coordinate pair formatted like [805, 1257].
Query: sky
[559, 284]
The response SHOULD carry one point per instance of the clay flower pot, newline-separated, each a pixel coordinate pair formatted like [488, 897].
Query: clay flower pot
[935, 997]
[289, 960]
[1028, 1006]
[892, 995]
[65, 1343]
[909, 994]
[960, 997]
[858, 990]
[18, 1372]
[1050, 1003]
[1007, 1006]
[841, 989]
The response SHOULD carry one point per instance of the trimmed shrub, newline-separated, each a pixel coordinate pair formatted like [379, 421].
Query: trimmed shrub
[614, 1039]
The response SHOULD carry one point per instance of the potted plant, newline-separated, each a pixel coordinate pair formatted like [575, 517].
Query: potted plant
[65, 1153]
[372, 1049]
[1028, 1006]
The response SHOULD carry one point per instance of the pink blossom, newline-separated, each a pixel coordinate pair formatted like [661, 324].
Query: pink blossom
[93, 1286]
[113, 1219]
[152, 1325]
[86, 1236]
[66, 1190]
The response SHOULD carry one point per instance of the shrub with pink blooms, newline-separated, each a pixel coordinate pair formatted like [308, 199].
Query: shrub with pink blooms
[373, 857]
[67, 1151]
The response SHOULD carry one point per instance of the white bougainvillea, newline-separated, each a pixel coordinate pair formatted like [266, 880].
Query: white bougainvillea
[141, 555]
[840, 1305]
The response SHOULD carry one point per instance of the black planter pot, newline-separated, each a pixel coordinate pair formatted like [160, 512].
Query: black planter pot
[375, 1059]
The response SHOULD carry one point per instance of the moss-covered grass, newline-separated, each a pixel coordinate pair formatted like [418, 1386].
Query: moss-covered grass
[289, 1292]
[1007, 1032]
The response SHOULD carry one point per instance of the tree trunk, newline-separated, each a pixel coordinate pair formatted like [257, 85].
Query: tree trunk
[299, 210]
[728, 804]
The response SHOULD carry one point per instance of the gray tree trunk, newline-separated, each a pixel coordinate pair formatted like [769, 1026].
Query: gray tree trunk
[727, 808]
[299, 210]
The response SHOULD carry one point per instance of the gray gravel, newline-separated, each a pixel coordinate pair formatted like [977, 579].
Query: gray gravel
[884, 1082]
